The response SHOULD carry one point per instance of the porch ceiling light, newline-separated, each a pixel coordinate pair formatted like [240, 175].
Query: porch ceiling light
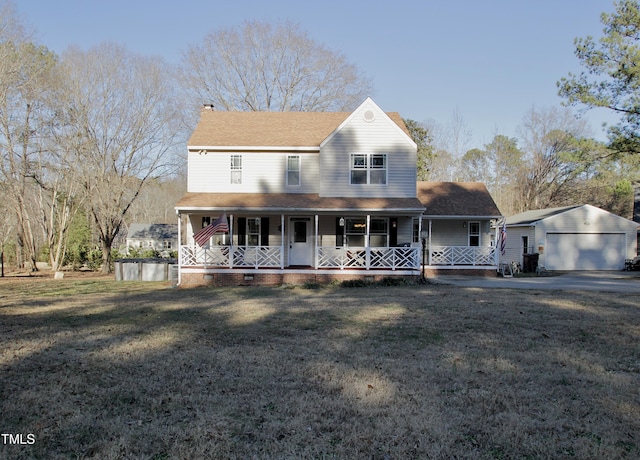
[424, 234]
[341, 222]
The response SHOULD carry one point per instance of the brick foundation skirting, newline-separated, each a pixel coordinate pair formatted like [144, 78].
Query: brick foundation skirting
[258, 278]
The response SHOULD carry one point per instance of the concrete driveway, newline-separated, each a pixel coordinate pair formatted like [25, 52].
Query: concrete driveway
[605, 281]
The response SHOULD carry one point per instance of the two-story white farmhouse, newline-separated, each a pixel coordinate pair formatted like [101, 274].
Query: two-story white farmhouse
[308, 196]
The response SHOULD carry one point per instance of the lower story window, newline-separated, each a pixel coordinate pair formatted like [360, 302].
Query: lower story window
[253, 232]
[379, 233]
[474, 233]
[355, 231]
[416, 231]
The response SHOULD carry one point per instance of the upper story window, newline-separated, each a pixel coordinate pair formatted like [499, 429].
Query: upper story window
[236, 169]
[368, 168]
[293, 170]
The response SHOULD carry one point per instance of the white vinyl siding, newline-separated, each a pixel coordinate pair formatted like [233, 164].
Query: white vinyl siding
[381, 136]
[446, 232]
[262, 172]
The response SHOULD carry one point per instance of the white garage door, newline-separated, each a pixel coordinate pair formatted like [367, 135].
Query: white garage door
[585, 251]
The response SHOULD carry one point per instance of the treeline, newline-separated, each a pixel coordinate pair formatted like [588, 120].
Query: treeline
[82, 137]
[552, 162]
[92, 140]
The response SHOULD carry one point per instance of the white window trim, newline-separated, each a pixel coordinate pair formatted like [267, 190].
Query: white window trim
[287, 170]
[368, 168]
[237, 169]
[362, 232]
[470, 234]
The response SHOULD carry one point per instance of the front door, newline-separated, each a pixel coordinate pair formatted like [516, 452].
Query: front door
[300, 241]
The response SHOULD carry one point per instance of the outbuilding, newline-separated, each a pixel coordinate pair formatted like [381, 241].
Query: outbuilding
[581, 237]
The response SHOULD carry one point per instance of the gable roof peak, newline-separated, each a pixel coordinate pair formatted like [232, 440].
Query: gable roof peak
[370, 111]
[277, 129]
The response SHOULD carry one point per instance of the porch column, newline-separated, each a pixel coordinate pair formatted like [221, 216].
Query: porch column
[231, 247]
[496, 246]
[315, 243]
[367, 245]
[281, 241]
[179, 248]
[429, 241]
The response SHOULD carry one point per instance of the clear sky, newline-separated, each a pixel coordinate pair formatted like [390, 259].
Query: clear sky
[489, 60]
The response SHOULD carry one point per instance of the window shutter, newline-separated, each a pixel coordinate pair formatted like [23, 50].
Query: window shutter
[339, 233]
[242, 231]
[264, 231]
[393, 232]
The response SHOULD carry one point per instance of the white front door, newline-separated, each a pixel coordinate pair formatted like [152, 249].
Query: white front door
[300, 241]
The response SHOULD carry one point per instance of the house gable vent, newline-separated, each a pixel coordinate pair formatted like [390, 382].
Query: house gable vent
[369, 115]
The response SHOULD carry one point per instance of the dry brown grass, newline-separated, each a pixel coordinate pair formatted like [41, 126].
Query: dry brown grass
[99, 369]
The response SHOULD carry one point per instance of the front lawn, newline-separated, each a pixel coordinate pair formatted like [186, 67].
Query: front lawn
[101, 369]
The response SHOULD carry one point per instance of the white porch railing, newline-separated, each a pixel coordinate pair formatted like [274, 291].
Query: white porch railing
[328, 257]
[195, 255]
[219, 256]
[256, 256]
[388, 258]
[462, 255]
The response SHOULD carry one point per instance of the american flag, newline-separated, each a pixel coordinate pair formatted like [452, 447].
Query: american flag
[503, 239]
[219, 225]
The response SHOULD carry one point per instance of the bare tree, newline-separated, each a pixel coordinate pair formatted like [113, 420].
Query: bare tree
[260, 67]
[449, 143]
[457, 136]
[24, 72]
[551, 142]
[58, 196]
[156, 202]
[119, 125]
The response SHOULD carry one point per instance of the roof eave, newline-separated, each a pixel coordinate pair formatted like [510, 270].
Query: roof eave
[460, 216]
[296, 210]
[245, 148]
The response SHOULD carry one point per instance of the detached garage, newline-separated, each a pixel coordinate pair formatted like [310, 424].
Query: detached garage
[572, 238]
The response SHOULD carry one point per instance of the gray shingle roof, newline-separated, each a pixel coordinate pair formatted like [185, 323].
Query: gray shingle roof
[269, 129]
[152, 231]
[463, 199]
[530, 217]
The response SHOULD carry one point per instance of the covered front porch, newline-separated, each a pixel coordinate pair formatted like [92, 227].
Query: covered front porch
[324, 257]
[307, 236]
[318, 241]
[467, 242]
